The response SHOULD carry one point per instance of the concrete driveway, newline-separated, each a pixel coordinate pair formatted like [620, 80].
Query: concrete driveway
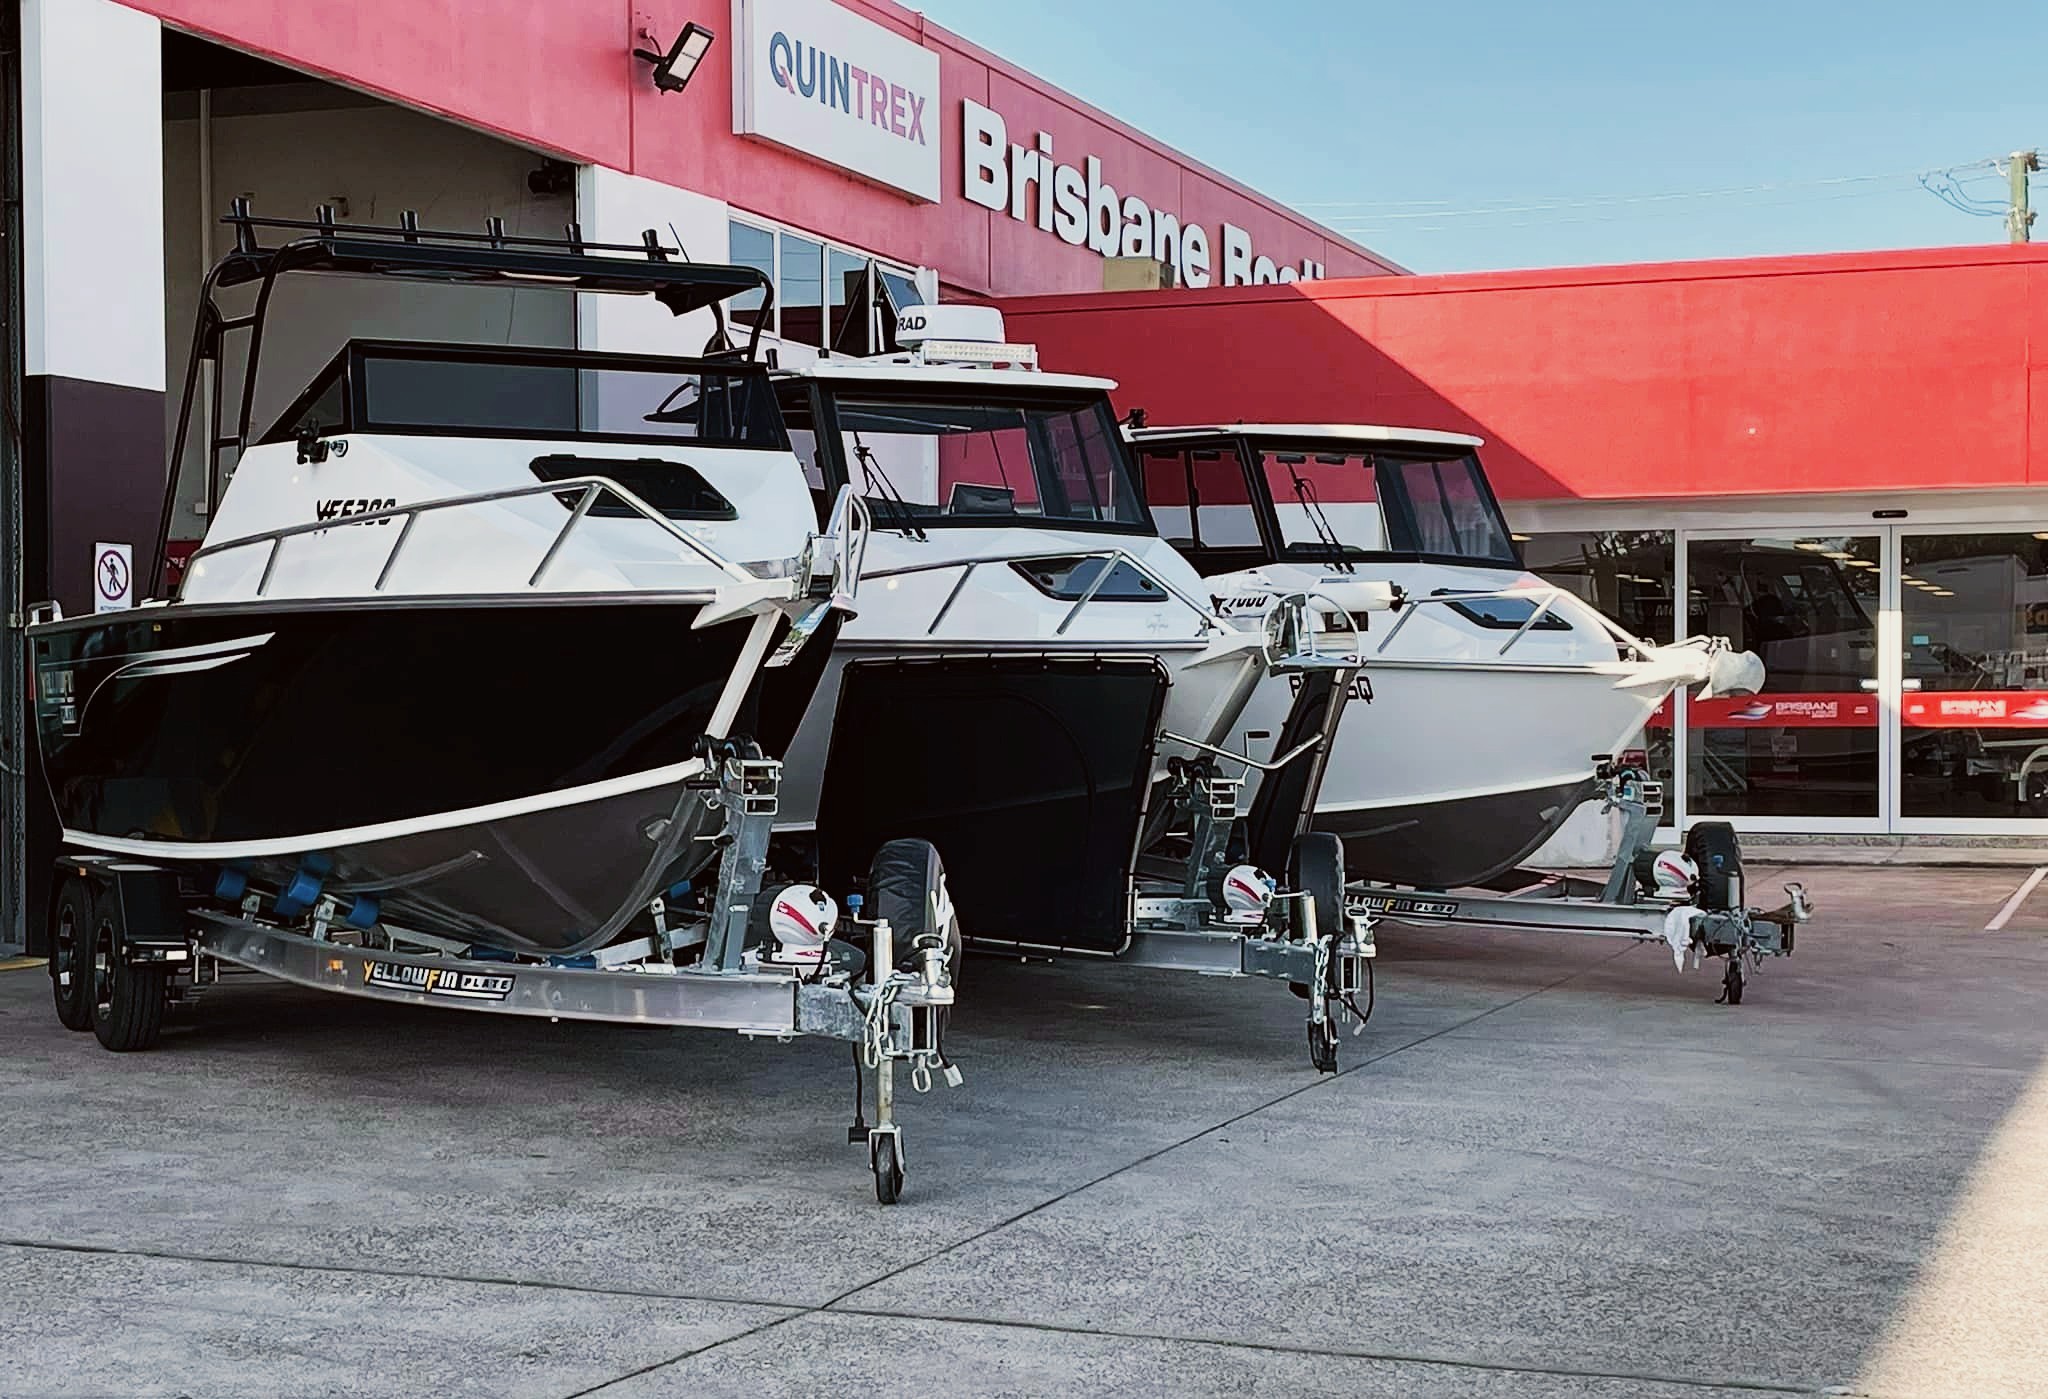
[1550, 1166]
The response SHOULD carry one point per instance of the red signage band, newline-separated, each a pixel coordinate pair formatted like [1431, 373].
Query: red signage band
[1920, 709]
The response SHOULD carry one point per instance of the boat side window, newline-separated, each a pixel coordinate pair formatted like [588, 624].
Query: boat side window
[674, 488]
[1164, 473]
[1501, 613]
[323, 406]
[799, 420]
[549, 395]
[1323, 496]
[1070, 580]
[952, 462]
[1443, 507]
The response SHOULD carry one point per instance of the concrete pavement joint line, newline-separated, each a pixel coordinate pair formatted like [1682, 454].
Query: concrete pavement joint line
[1346, 1353]
[647, 1294]
[1149, 1156]
[1629, 1047]
[1232, 1121]
[2019, 896]
[679, 1359]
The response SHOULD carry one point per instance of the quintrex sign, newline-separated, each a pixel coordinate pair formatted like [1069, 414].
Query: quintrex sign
[1077, 205]
[830, 85]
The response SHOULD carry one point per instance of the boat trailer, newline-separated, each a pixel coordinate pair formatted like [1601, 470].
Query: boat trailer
[1709, 920]
[1302, 933]
[130, 936]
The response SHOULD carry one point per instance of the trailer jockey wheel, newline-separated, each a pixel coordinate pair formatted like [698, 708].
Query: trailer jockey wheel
[885, 1154]
[127, 997]
[1731, 980]
[70, 957]
[1322, 1044]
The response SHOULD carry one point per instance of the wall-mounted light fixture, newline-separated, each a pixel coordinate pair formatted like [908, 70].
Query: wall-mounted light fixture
[673, 70]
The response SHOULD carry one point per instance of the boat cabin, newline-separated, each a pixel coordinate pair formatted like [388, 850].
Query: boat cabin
[1243, 495]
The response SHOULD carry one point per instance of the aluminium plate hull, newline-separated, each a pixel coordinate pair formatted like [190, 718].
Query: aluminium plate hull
[490, 768]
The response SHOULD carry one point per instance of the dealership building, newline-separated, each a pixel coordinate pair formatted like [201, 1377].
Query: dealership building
[1832, 460]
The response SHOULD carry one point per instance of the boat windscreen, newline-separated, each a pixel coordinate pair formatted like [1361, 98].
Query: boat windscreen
[934, 461]
[1361, 503]
[559, 397]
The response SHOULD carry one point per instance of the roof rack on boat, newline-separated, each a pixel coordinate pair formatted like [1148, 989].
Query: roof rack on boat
[325, 244]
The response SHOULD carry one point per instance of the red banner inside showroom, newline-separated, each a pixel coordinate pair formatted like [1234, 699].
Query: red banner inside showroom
[1966, 709]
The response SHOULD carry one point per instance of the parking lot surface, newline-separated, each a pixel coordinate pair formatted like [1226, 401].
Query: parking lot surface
[1550, 1166]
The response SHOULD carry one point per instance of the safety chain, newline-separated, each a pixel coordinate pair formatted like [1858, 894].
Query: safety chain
[875, 1037]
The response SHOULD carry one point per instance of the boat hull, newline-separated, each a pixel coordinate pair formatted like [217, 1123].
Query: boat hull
[490, 769]
[1447, 774]
[1029, 774]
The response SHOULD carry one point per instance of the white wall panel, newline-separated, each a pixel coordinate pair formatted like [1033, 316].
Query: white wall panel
[92, 186]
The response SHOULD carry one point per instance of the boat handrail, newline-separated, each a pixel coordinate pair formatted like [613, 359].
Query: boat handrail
[593, 488]
[1544, 598]
[1208, 619]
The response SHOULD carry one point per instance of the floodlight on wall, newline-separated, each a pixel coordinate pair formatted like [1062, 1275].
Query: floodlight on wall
[673, 70]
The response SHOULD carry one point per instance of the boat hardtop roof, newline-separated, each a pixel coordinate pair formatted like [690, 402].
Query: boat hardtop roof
[907, 370]
[1320, 432]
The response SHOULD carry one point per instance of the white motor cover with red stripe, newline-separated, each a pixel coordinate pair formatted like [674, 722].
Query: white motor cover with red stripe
[1247, 890]
[1676, 875]
[803, 918]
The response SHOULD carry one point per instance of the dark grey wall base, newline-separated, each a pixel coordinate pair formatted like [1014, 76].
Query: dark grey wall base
[92, 469]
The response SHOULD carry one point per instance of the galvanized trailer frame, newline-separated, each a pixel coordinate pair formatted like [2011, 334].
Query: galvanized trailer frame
[892, 1014]
[1707, 925]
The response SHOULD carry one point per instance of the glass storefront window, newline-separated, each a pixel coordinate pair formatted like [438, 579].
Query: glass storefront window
[1628, 575]
[1973, 712]
[751, 247]
[848, 298]
[802, 290]
[1808, 744]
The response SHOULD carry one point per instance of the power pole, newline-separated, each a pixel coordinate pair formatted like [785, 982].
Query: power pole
[2019, 219]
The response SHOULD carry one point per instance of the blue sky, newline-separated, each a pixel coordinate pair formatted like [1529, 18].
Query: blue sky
[1481, 133]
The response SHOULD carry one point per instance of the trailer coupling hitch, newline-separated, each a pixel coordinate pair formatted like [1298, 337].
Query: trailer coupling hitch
[1798, 908]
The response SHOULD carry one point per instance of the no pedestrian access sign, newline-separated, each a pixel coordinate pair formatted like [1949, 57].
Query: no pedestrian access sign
[113, 577]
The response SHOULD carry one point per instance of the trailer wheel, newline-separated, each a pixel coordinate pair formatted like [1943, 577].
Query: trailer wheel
[1322, 1045]
[127, 997]
[1731, 980]
[887, 1159]
[1315, 866]
[1712, 846]
[70, 957]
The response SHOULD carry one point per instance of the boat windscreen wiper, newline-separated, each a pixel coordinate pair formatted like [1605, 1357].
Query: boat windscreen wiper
[1307, 495]
[882, 488]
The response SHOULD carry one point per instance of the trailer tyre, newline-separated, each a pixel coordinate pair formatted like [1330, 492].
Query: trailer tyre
[885, 1156]
[1712, 846]
[71, 921]
[907, 885]
[127, 997]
